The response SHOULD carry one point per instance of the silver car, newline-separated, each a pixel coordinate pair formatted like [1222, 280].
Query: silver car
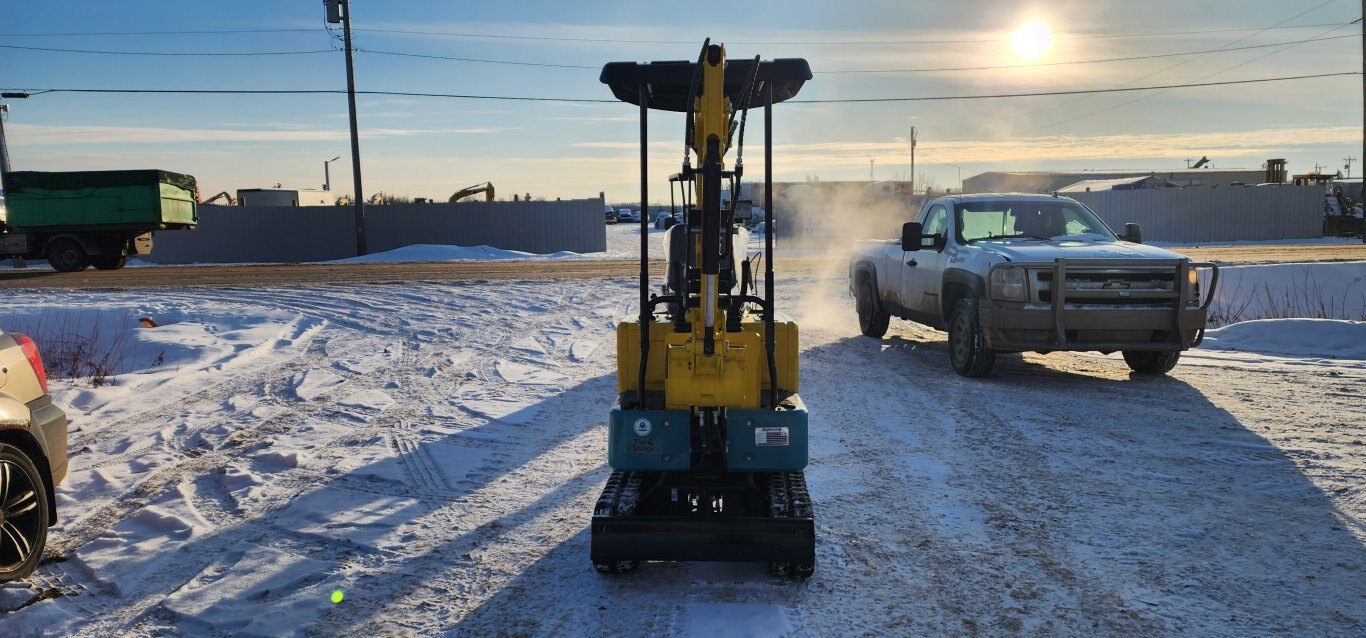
[32, 456]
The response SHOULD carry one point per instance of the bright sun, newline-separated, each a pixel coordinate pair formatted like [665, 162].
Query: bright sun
[1031, 40]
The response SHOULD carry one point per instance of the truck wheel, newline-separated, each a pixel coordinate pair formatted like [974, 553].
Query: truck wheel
[1147, 362]
[968, 352]
[23, 514]
[109, 263]
[67, 255]
[872, 321]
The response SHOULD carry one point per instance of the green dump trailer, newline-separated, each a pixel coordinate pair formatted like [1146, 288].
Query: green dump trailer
[78, 219]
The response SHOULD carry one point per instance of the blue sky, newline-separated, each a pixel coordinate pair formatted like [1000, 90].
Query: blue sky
[431, 147]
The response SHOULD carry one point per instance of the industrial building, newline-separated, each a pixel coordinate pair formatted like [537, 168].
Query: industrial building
[1121, 184]
[283, 197]
[1050, 181]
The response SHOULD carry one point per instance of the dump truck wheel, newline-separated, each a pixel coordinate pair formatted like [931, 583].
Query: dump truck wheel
[67, 255]
[968, 351]
[872, 321]
[109, 263]
[1151, 362]
[23, 514]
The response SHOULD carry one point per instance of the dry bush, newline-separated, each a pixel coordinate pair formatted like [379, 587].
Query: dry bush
[73, 350]
[1304, 298]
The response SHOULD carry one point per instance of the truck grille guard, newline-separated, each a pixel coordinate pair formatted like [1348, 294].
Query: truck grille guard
[1118, 284]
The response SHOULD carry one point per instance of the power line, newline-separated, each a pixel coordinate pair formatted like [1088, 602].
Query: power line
[836, 42]
[604, 101]
[1101, 36]
[165, 53]
[1097, 61]
[479, 60]
[595, 67]
[204, 32]
[1201, 78]
[1145, 76]
[1079, 92]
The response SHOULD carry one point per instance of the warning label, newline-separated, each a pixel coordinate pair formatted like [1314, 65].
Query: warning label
[645, 446]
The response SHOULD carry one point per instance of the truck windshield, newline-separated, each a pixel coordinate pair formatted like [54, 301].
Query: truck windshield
[1028, 219]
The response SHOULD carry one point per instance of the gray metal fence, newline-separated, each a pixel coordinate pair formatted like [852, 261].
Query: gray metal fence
[1232, 213]
[242, 234]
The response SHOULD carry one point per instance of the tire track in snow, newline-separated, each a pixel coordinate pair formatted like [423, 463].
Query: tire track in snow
[429, 485]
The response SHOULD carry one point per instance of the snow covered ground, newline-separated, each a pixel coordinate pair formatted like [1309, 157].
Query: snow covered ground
[433, 451]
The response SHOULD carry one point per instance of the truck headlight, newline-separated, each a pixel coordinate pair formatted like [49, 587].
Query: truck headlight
[1008, 284]
[1193, 279]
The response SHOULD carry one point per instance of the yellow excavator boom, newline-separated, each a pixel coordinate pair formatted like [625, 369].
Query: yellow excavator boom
[486, 188]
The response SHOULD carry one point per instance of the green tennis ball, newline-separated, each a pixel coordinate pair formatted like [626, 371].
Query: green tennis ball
[337, 596]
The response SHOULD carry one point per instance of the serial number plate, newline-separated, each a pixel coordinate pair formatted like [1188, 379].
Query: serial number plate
[768, 437]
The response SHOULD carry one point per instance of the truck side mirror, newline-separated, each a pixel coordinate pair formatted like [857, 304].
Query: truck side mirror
[910, 236]
[1133, 233]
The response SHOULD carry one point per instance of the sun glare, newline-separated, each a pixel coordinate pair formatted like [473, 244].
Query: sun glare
[1031, 40]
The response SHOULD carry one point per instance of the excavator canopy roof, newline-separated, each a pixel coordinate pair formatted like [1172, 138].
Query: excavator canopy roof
[668, 82]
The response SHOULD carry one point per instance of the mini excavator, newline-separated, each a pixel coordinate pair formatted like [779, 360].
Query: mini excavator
[708, 438]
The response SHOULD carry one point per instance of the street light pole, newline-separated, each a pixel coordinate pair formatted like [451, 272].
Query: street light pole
[341, 9]
[327, 177]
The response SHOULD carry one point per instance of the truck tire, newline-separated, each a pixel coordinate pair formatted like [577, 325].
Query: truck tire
[872, 321]
[67, 255]
[1148, 362]
[24, 530]
[109, 262]
[968, 352]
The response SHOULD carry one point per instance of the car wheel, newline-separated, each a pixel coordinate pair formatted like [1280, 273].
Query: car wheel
[67, 255]
[105, 262]
[23, 514]
[968, 352]
[872, 321]
[1146, 362]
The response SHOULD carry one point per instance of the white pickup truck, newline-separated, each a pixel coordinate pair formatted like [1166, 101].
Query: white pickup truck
[986, 268]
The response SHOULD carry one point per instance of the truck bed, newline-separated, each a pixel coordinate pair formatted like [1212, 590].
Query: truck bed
[100, 200]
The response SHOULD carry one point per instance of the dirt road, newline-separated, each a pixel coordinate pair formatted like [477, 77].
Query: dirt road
[255, 276]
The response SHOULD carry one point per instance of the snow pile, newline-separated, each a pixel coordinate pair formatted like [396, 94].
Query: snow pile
[1325, 290]
[1318, 338]
[439, 252]
[1258, 242]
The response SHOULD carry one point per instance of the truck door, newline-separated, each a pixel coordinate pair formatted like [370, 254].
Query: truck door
[923, 270]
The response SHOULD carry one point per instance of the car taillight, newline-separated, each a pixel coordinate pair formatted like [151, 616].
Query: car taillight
[34, 359]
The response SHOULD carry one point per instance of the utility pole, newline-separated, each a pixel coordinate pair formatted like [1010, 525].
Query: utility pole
[871, 161]
[4, 151]
[340, 11]
[913, 156]
[1349, 159]
[4, 148]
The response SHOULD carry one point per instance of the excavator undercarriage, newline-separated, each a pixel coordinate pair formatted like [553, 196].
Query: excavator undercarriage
[708, 439]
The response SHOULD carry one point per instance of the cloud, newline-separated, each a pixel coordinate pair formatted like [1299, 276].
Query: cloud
[601, 119]
[43, 134]
[1078, 148]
